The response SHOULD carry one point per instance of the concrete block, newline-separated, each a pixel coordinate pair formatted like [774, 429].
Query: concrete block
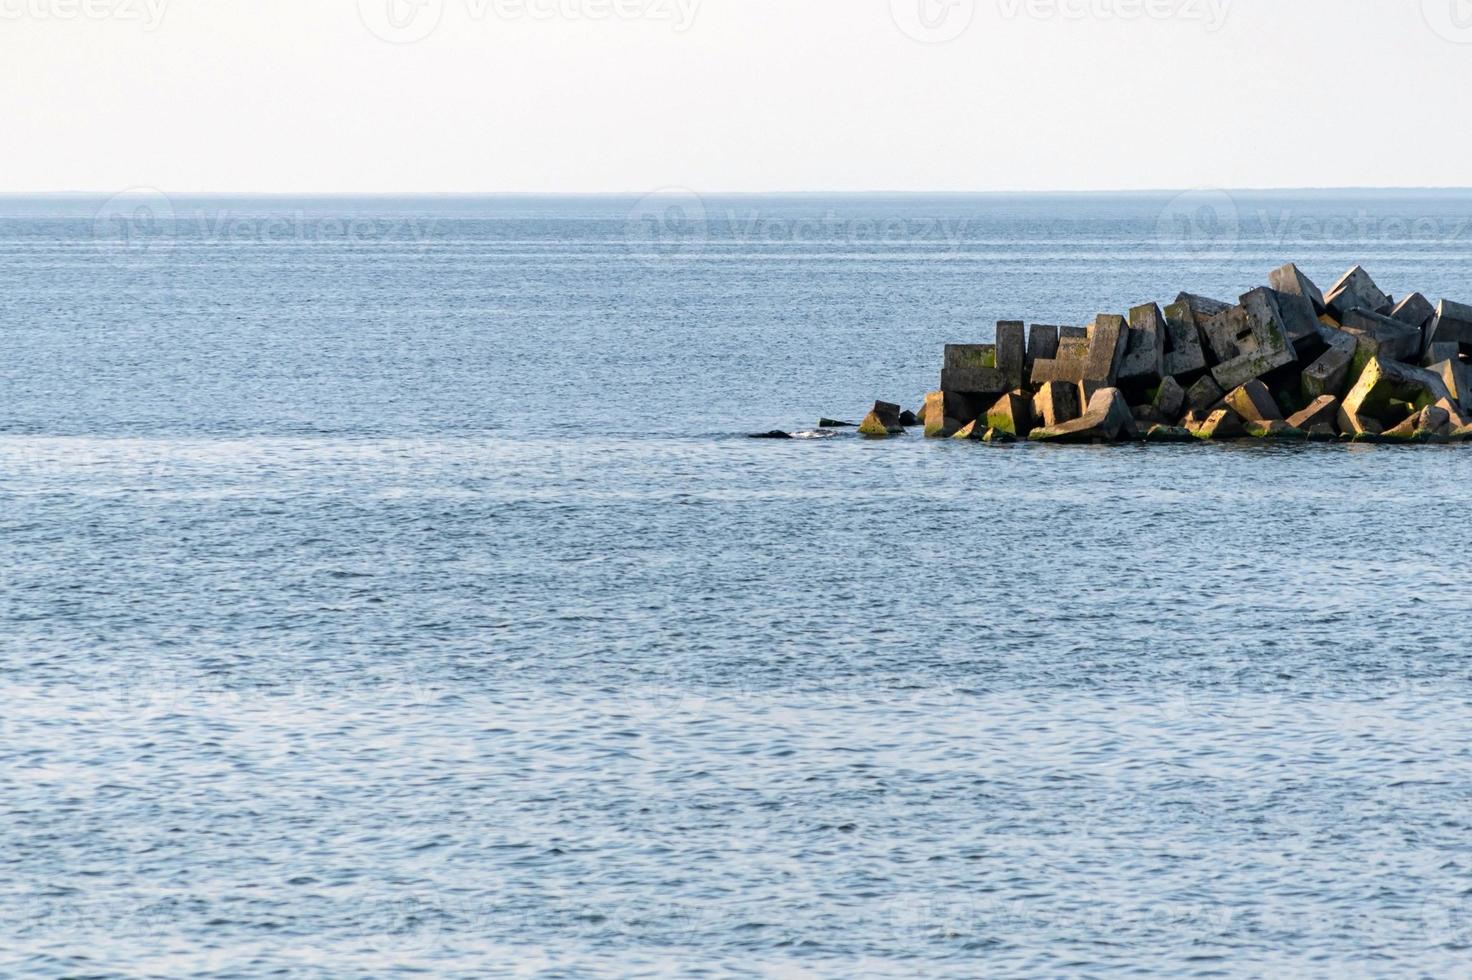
[1056, 402]
[1011, 351]
[1298, 316]
[1324, 411]
[1068, 365]
[1107, 340]
[1274, 429]
[1254, 403]
[1204, 395]
[1330, 373]
[1354, 424]
[888, 413]
[1435, 420]
[1440, 351]
[1202, 308]
[1225, 332]
[946, 413]
[1239, 371]
[1451, 324]
[1248, 340]
[883, 421]
[1012, 413]
[972, 369]
[1170, 399]
[1147, 416]
[1356, 290]
[1387, 390]
[1169, 433]
[1072, 333]
[1405, 431]
[1220, 424]
[1107, 419]
[1415, 311]
[1184, 353]
[971, 431]
[1042, 344]
[1144, 356]
[1458, 380]
[1291, 280]
[1383, 337]
[1456, 415]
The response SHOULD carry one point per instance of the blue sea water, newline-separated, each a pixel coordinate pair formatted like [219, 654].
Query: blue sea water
[389, 588]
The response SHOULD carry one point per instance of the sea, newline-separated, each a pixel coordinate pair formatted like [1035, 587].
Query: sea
[389, 587]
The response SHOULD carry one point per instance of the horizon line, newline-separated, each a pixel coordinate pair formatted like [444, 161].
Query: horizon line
[675, 188]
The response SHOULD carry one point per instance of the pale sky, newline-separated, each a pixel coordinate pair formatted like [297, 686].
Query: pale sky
[732, 95]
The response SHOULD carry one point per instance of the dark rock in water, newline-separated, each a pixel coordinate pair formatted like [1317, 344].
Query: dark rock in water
[909, 419]
[774, 434]
[835, 424]
[1356, 290]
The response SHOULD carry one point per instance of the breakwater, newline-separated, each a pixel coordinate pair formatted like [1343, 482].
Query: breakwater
[1285, 361]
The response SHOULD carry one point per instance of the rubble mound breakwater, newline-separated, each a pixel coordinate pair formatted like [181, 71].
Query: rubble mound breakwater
[1286, 361]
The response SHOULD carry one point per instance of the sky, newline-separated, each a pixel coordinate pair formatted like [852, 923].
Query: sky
[630, 96]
